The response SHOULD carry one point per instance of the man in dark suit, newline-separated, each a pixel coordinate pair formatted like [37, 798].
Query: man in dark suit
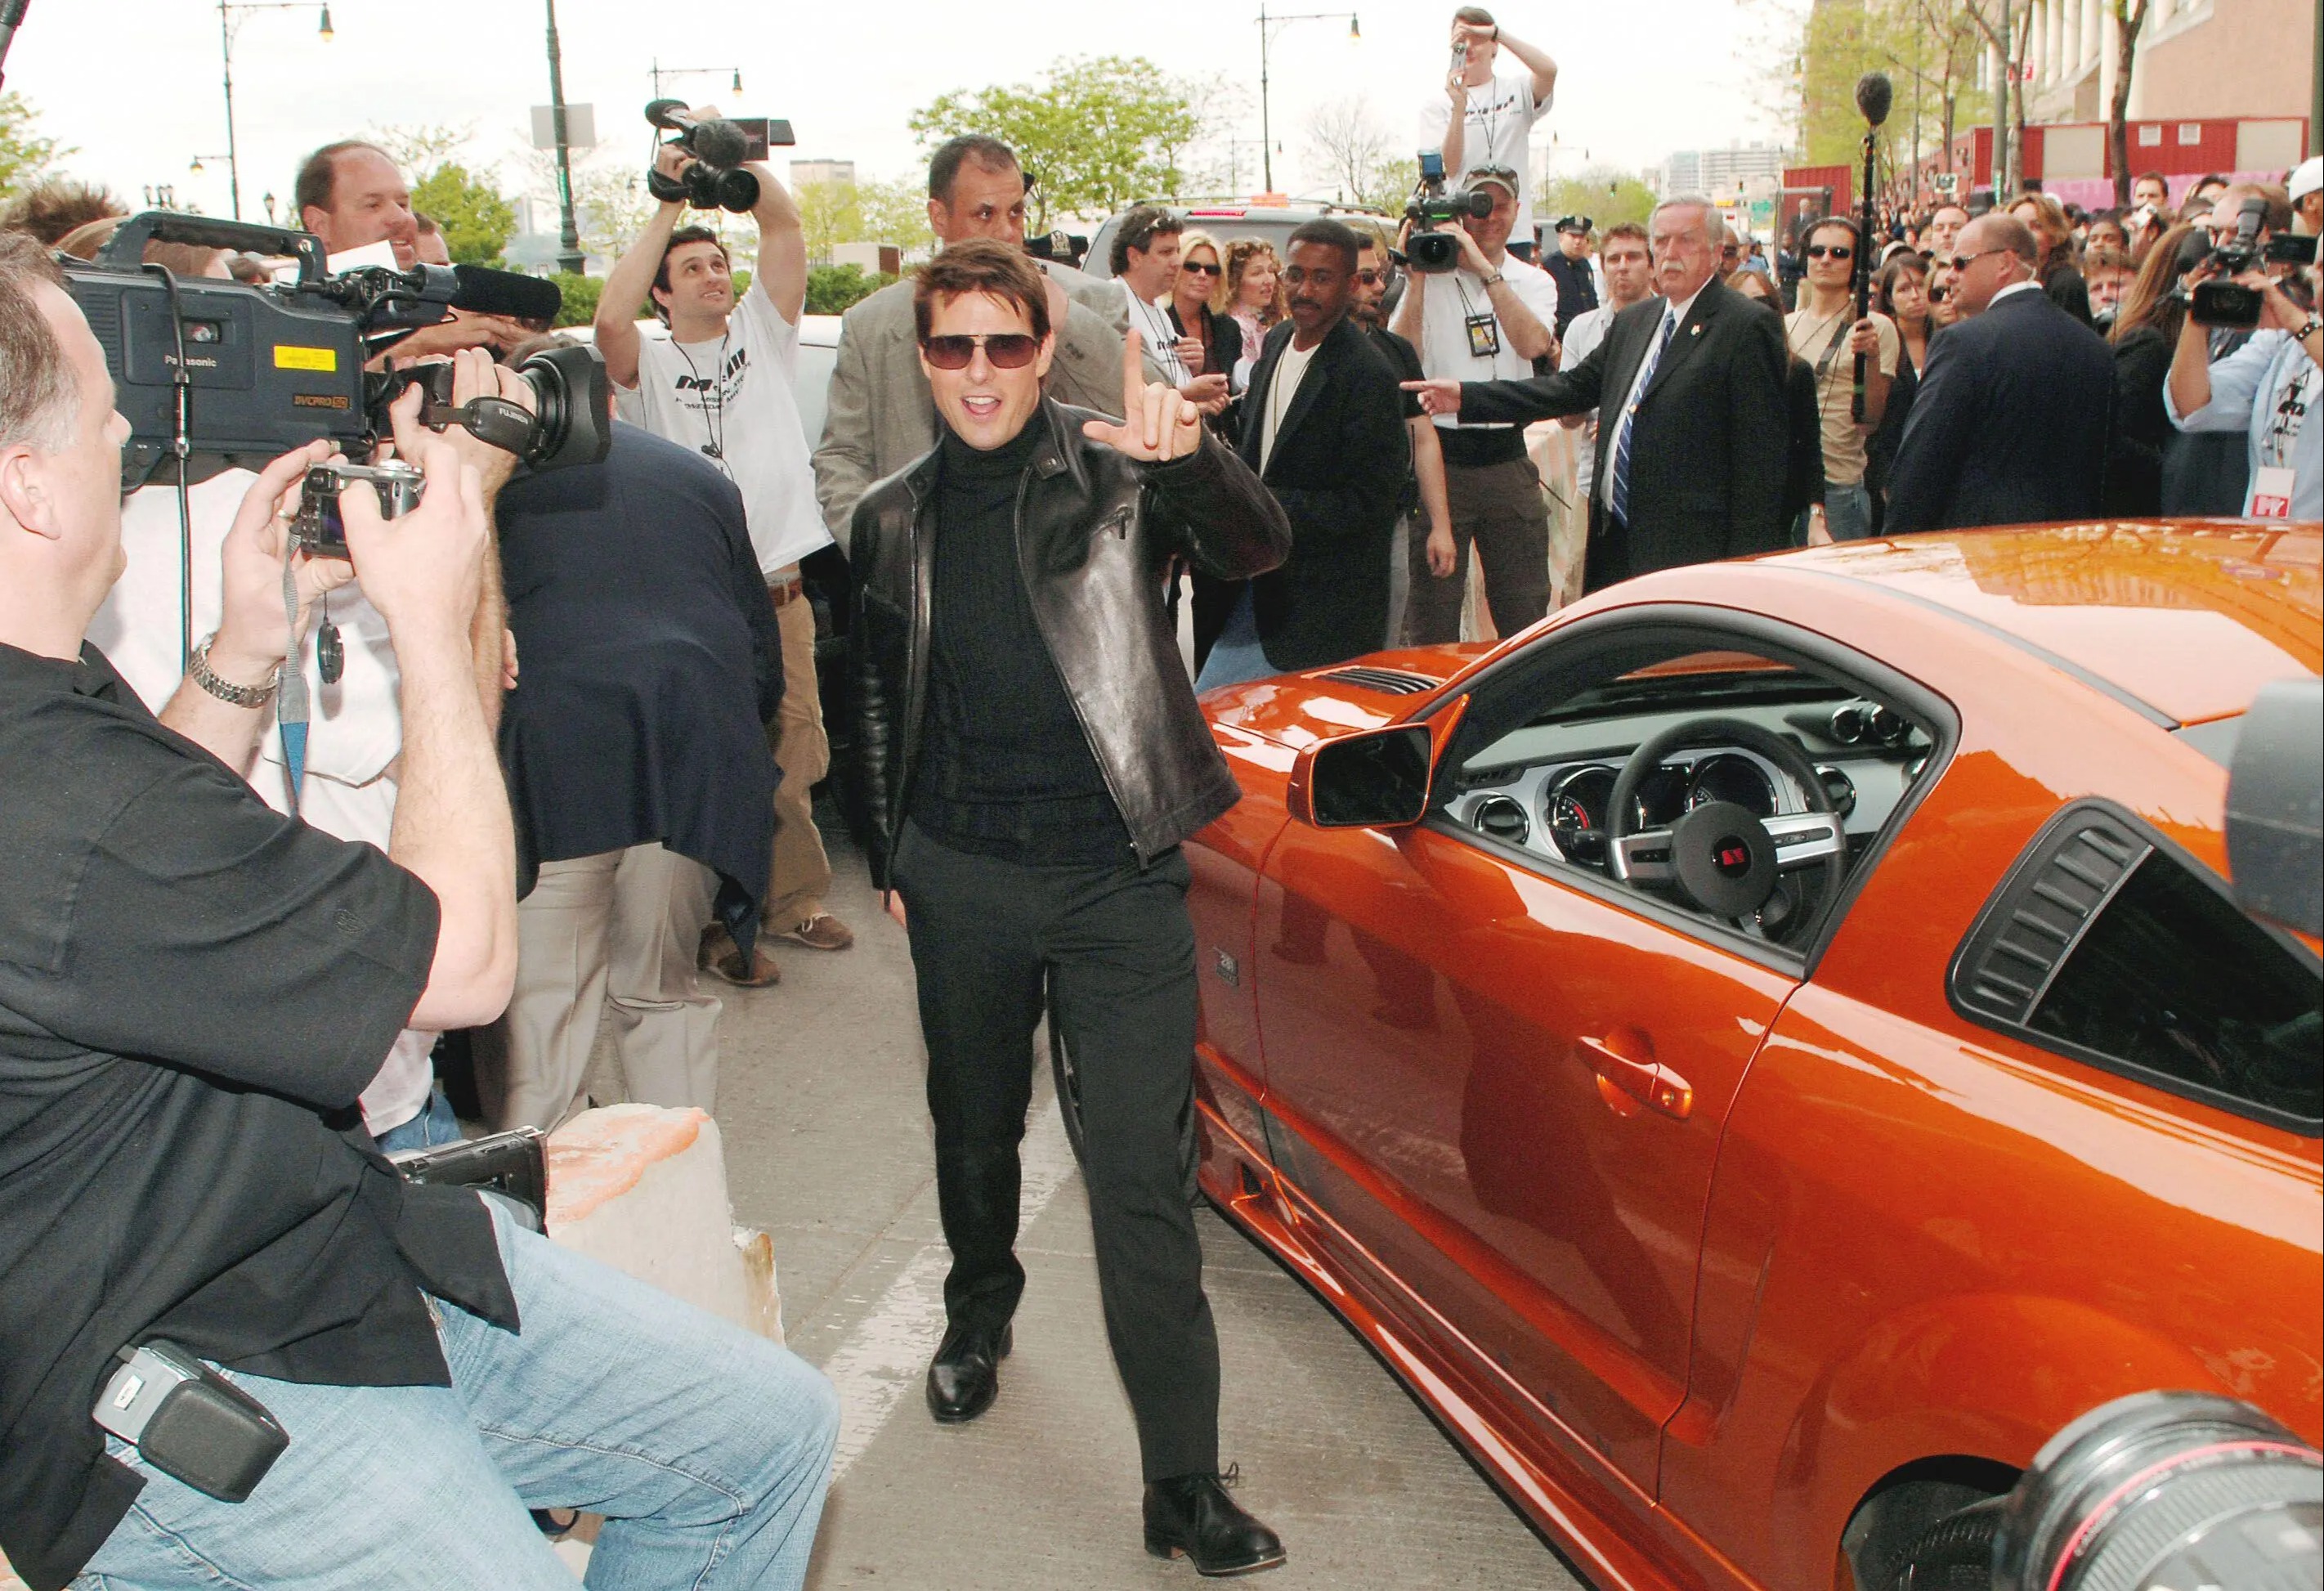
[1324, 426]
[2011, 421]
[1693, 442]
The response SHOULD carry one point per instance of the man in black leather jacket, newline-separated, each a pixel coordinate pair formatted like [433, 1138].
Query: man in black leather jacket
[1030, 757]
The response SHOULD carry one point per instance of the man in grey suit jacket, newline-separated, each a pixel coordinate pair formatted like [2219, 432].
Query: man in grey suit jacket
[881, 415]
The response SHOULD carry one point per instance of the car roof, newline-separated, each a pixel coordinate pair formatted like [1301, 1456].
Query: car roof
[2189, 618]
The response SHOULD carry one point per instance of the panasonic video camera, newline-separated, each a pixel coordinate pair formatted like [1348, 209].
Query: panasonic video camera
[1427, 250]
[720, 147]
[2227, 304]
[238, 376]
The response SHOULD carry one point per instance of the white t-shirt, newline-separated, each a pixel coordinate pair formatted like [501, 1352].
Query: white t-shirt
[355, 727]
[1454, 296]
[1494, 133]
[732, 397]
[1583, 333]
[1289, 371]
[1160, 337]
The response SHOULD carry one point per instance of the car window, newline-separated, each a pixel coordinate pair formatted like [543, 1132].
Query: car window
[1771, 773]
[2105, 944]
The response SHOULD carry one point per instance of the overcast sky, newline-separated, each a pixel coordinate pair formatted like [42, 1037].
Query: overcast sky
[134, 84]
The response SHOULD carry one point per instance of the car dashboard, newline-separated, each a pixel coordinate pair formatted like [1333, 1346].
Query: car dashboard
[1548, 789]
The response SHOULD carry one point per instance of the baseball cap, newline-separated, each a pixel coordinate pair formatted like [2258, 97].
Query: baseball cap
[2306, 178]
[1502, 177]
[1574, 223]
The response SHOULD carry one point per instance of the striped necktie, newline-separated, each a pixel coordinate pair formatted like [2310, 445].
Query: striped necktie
[1618, 494]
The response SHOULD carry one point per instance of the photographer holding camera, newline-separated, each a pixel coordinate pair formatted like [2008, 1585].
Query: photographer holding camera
[1488, 319]
[193, 989]
[722, 385]
[2268, 388]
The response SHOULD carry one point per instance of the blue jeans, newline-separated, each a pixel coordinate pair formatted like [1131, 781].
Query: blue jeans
[433, 1125]
[1846, 510]
[707, 1447]
[1237, 656]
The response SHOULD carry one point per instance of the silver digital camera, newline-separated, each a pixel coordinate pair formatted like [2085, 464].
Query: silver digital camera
[317, 526]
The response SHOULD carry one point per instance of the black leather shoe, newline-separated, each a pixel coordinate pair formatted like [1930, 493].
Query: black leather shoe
[1193, 1514]
[964, 1376]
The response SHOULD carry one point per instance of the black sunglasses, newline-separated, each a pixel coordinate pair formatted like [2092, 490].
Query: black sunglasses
[1938, 295]
[1372, 278]
[1838, 250]
[1200, 269]
[1007, 350]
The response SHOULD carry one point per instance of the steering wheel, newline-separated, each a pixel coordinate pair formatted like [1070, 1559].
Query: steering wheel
[1722, 857]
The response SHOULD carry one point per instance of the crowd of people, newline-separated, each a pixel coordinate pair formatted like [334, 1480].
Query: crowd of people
[564, 728]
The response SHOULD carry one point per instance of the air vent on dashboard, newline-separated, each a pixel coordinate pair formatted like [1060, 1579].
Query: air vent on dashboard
[2035, 919]
[1388, 681]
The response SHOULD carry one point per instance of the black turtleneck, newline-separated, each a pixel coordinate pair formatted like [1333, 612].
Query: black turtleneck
[1005, 769]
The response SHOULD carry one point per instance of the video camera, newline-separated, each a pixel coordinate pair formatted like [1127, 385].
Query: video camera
[2223, 302]
[716, 181]
[1427, 250]
[234, 375]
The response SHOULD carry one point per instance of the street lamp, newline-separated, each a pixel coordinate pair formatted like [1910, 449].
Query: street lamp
[659, 71]
[229, 14]
[569, 258]
[1268, 27]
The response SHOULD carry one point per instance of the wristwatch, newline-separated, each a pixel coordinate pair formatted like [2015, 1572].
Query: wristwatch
[1494, 280]
[240, 696]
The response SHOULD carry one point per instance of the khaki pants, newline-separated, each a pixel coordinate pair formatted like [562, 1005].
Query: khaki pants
[800, 873]
[621, 928]
[1499, 509]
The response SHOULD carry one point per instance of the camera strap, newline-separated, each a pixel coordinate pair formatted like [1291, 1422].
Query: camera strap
[291, 713]
[493, 420]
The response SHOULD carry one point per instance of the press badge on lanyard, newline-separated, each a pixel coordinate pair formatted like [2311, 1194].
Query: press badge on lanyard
[2271, 495]
[1484, 335]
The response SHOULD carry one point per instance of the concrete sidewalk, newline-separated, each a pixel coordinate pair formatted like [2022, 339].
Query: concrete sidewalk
[827, 1149]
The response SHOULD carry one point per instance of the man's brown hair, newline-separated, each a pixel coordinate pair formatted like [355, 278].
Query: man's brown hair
[51, 209]
[1624, 229]
[981, 265]
[1476, 16]
[39, 397]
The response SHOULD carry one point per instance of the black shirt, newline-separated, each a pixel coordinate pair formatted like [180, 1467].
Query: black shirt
[649, 664]
[193, 991]
[1007, 770]
[1405, 360]
[1577, 287]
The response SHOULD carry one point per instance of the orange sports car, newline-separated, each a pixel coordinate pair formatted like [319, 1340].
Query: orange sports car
[1761, 1051]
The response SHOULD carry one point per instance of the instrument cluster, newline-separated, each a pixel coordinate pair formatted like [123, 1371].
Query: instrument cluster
[1564, 811]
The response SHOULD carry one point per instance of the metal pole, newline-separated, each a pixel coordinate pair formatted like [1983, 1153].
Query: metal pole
[569, 258]
[1266, 129]
[2001, 161]
[233, 159]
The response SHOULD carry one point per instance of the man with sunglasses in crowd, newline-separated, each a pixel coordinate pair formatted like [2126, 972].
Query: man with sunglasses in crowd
[1424, 490]
[1825, 334]
[1030, 759]
[2011, 421]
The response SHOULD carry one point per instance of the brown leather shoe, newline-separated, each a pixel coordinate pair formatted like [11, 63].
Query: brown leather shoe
[720, 957]
[823, 931]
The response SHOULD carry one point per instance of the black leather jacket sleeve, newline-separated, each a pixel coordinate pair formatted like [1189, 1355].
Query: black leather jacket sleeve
[863, 789]
[1218, 513]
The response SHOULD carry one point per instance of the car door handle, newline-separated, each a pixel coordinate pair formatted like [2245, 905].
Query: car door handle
[1644, 1080]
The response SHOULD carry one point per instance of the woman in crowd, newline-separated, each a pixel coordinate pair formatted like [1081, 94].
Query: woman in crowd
[1804, 473]
[2145, 330]
[1901, 292]
[1944, 307]
[2047, 219]
[1252, 297]
[1216, 341]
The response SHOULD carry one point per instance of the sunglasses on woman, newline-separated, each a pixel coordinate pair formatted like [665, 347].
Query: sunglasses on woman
[1838, 250]
[1938, 295]
[1005, 350]
[1198, 268]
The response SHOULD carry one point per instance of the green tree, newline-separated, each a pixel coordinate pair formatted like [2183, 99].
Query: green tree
[1096, 134]
[25, 155]
[895, 212]
[834, 289]
[829, 216]
[1392, 187]
[478, 222]
[580, 306]
[1601, 193]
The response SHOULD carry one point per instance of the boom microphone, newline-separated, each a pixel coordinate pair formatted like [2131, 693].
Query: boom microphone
[1874, 94]
[12, 17]
[487, 292]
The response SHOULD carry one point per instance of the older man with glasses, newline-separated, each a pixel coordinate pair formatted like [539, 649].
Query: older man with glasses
[2011, 421]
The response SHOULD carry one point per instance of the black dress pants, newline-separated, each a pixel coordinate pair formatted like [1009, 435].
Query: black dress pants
[1118, 951]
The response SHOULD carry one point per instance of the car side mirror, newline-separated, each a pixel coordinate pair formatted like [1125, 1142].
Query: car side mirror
[1374, 779]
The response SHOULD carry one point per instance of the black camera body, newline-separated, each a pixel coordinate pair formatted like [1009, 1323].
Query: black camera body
[716, 181]
[268, 369]
[2222, 303]
[1427, 250]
